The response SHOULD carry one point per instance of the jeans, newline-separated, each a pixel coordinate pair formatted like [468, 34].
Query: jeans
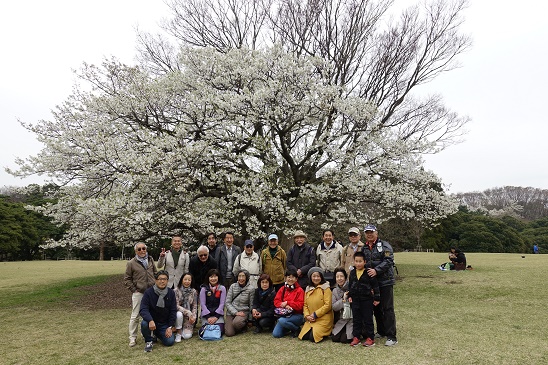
[160, 333]
[286, 325]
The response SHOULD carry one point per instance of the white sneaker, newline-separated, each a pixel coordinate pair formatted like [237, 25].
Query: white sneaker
[391, 342]
[178, 337]
[132, 342]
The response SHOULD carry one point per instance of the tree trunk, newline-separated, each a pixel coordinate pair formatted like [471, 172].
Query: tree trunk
[102, 251]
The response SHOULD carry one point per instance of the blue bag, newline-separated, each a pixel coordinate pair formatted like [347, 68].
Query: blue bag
[210, 332]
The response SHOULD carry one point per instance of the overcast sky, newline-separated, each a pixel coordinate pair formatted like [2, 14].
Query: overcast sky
[501, 84]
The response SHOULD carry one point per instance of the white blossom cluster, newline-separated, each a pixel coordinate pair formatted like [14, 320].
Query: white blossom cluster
[256, 141]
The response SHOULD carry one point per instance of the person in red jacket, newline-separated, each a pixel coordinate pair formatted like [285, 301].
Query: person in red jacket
[290, 297]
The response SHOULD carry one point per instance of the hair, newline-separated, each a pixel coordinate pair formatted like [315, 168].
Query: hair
[246, 273]
[137, 244]
[180, 283]
[211, 234]
[265, 277]
[161, 272]
[211, 273]
[340, 269]
[200, 248]
[291, 272]
[322, 281]
[360, 254]
[328, 230]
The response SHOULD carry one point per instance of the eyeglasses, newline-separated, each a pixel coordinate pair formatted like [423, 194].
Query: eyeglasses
[248, 246]
[203, 255]
[141, 248]
[162, 279]
[353, 234]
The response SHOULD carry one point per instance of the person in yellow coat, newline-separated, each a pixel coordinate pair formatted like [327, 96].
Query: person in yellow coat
[317, 311]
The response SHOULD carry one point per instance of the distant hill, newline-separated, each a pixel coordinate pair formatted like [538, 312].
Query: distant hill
[526, 203]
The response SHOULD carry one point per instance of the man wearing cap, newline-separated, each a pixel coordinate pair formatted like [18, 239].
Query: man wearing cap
[328, 254]
[301, 257]
[349, 250]
[381, 258]
[274, 261]
[248, 260]
[225, 257]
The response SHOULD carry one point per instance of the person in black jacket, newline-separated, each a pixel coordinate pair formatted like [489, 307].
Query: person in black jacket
[363, 295]
[458, 259]
[301, 257]
[199, 266]
[263, 304]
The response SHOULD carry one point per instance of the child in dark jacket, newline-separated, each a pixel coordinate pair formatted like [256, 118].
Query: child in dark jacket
[363, 295]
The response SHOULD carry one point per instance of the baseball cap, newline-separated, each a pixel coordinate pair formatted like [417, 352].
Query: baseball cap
[370, 227]
[273, 237]
[355, 230]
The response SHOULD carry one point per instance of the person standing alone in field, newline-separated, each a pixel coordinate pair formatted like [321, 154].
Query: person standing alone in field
[139, 276]
[174, 261]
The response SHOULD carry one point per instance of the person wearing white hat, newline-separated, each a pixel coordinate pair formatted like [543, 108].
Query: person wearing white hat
[355, 245]
[274, 260]
[301, 257]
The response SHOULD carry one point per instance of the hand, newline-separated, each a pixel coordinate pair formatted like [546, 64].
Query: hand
[212, 320]
[163, 252]
[288, 307]
[169, 332]
[192, 319]
[310, 318]
[299, 272]
[151, 325]
[372, 272]
[350, 300]
[240, 313]
[376, 303]
[283, 304]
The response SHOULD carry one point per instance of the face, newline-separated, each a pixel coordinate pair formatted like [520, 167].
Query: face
[354, 238]
[371, 236]
[328, 237]
[273, 243]
[359, 263]
[249, 250]
[176, 243]
[241, 278]
[211, 241]
[213, 280]
[203, 255]
[228, 240]
[315, 278]
[290, 279]
[299, 240]
[187, 281]
[265, 284]
[340, 279]
[161, 282]
[141, 250]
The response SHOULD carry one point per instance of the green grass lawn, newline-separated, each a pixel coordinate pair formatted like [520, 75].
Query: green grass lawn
[494, 314]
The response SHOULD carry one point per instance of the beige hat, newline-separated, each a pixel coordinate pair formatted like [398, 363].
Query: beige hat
[299, 233]
[355, 230]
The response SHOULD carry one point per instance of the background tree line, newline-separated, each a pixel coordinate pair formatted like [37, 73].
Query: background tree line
[472, 228]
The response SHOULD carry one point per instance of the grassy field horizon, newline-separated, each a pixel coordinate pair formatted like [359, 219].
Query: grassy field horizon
[493, 314]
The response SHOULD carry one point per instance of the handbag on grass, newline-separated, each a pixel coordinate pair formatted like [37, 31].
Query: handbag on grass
[210, 332]
[347, 311]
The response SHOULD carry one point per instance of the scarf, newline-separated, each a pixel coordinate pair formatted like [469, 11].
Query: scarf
[186, 297]
[216, 292]
[143, 260]
[161, 295]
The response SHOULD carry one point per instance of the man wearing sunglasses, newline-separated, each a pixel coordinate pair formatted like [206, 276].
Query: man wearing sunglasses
[200, 265]
[139, 276]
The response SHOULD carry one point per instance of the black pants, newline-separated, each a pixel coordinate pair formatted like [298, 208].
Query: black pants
[385, 317]
[341, 336]
[362, 318]
[266, 322]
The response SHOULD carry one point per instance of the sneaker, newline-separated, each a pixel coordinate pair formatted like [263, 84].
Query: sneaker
[369, 342]
[132, 342]
[378, 335]
[148, 346]
[391, 342]
[257, 330]
[178, 337]
[355, 341]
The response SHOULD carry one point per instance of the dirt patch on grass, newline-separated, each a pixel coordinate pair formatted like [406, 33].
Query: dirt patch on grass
[110, 294]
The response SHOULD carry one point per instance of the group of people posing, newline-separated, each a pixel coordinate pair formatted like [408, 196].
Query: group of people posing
[309, 293]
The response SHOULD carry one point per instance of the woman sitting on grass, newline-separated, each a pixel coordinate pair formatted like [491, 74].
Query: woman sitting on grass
[187, 307]
[212, 300]
[290, 297]
[317, 310]
[342, 330]
[239, 301]
[263, 304]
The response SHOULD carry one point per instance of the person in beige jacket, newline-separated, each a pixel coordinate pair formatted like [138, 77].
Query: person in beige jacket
[355, 245]
[174, 261]
[328, 255]
[139, 276]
